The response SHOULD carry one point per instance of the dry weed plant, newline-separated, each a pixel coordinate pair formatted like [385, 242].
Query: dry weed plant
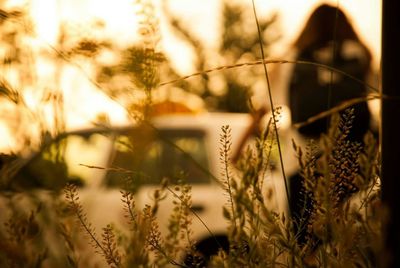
[144, 245]
[343, 223]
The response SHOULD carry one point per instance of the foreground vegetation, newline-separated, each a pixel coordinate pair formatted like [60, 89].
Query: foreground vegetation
[340, 226]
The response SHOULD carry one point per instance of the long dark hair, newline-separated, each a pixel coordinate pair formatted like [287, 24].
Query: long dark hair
[327, 23]
[308, 97]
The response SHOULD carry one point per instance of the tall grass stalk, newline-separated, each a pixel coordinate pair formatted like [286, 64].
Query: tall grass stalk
[271, 103]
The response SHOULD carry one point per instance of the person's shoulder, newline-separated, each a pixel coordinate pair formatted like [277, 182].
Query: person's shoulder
[284, 60]
[352, 49]
[291, 54]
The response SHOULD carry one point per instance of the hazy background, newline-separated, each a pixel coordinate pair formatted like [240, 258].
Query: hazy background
[116, 21]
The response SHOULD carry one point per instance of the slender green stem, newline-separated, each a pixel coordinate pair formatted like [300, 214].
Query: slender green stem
[334, 49]
[271, 104]
[274, 61]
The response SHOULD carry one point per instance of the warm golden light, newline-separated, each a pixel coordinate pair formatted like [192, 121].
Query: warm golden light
[83, 102]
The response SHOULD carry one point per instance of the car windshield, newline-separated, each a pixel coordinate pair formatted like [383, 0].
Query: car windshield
[146, 156]
[121, 159]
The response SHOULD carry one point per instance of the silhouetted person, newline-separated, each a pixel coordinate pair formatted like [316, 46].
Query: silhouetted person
[328, 38]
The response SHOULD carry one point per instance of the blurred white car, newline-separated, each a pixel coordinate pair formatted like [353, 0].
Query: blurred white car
[178, 145]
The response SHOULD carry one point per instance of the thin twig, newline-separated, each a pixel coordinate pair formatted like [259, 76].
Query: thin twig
[272, 61]
[271, 103]
[334, 48]
[335, 109]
